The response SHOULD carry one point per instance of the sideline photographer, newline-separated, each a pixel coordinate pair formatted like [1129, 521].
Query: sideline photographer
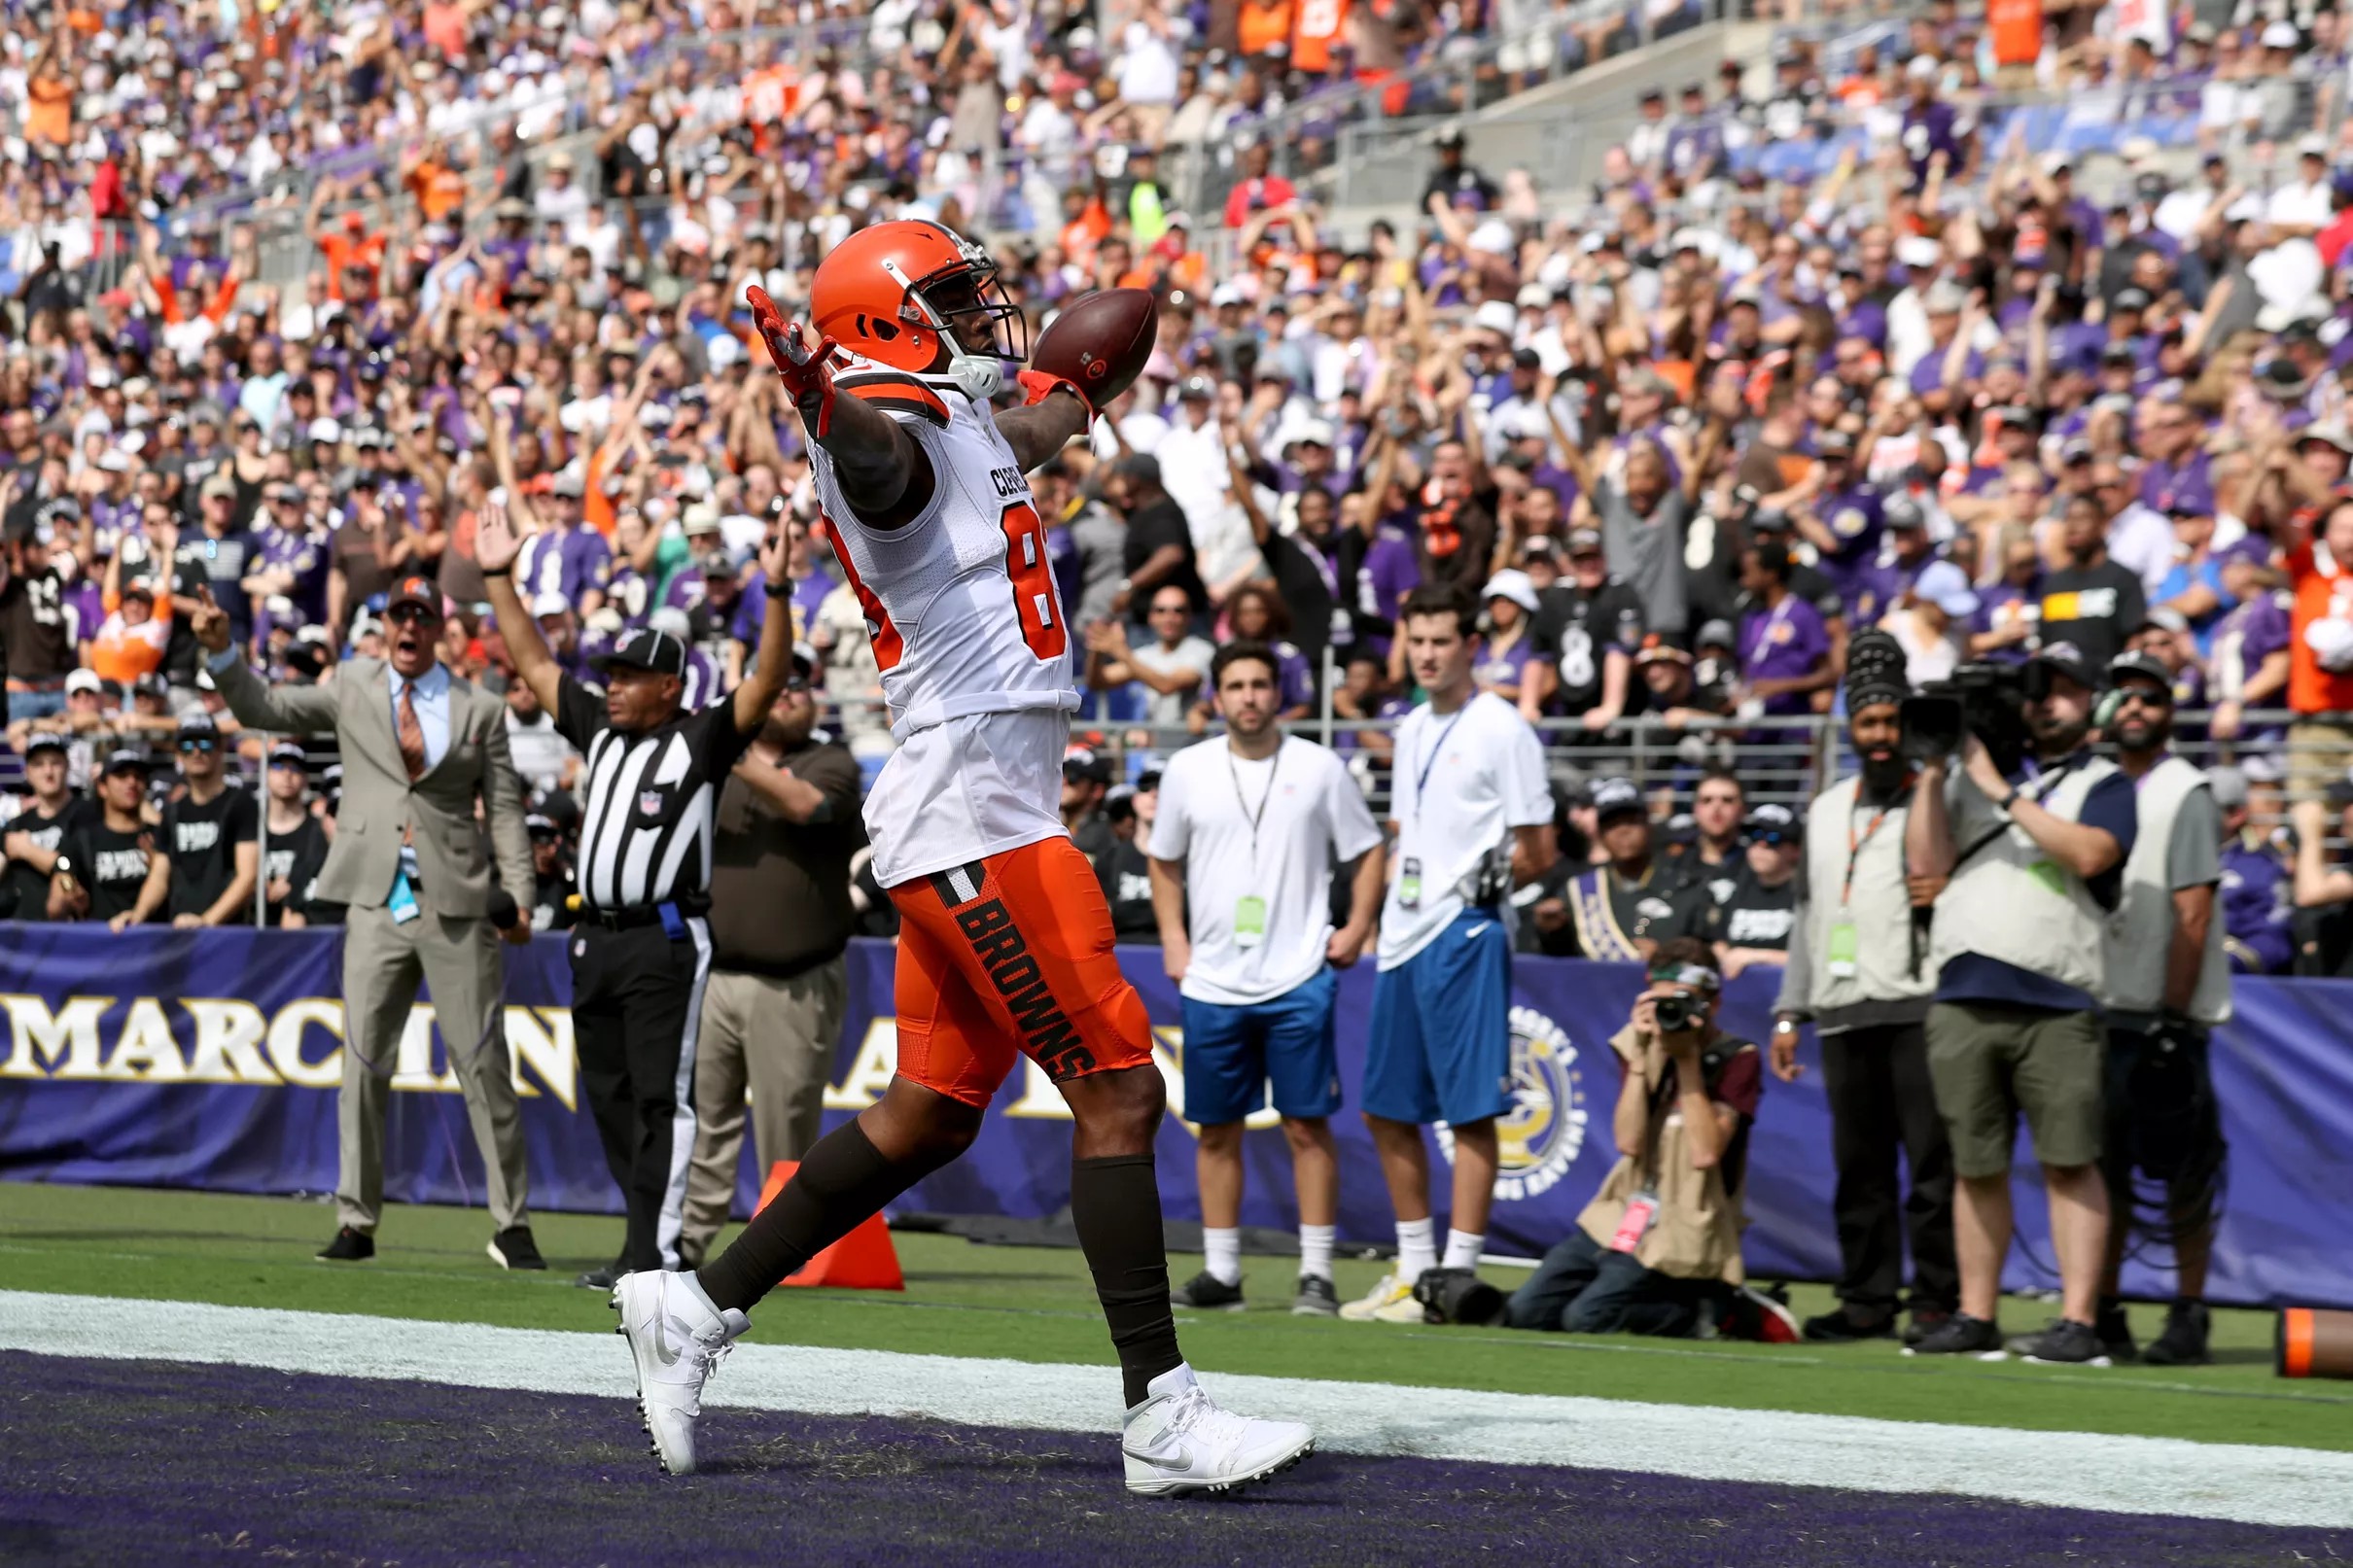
[2034, 860]
[1857, 970]
[1657, 1250]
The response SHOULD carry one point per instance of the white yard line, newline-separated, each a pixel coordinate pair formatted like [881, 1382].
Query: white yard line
[2127, 1475]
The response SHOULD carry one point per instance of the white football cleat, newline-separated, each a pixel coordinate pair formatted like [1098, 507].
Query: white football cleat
[1178, 1442]
[1389, 1300]
[676, 1337]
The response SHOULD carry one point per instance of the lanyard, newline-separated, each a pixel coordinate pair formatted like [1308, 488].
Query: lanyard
[1429, 758]
[1274, 763]
[1854, 850]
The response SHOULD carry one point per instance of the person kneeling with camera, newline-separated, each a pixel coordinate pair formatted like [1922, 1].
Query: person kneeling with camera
[1657, 1250]
[2033, 858]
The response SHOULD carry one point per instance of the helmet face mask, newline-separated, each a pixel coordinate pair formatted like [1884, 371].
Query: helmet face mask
[915, 295]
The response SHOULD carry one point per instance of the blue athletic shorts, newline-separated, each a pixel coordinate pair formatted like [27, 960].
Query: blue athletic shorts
[1231, 1054]
[1441, 1047]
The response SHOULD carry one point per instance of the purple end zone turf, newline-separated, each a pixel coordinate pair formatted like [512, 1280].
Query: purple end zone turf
[150, 1462]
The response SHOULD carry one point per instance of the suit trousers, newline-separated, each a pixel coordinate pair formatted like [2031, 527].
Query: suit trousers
[1881, 1100]
[637, 1003]
[775, 1037]
[458, 958]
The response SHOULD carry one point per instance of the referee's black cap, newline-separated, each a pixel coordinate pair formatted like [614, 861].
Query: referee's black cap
[646, 650]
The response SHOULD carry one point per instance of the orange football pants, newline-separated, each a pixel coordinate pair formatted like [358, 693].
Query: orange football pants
[1012, 956]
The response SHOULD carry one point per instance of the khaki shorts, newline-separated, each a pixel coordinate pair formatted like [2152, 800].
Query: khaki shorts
[2319, 751]
[1990, 1062]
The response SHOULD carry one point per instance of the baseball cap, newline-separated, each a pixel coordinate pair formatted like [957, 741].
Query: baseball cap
[1775, 823]
[1585, 541]
[222, 484]
[1902, 511]
[1946, 586]
[642, 649]
[1715, 634]
[420, 593]
[1197, 388]
[1656, 648]
[325, 429]
[2330, 435]
[2228, 786]
[1833, 443]
[541, 826]
[550, 603]
[1511, 583]
[83, 681]
[43, 740]
[125, 761]
[2131, 300]
[2068, 660]
[2147, 666]
[1616, 797]
[289, 754]
[567, 483]
[1083, 766]
[197, 727]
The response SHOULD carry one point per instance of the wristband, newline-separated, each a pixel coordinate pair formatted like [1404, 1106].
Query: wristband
[1040, 385]
[506, 570]
[2004, 804]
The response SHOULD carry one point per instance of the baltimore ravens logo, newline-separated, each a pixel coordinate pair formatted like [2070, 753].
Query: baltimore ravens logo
[1538, 1138]
[1848, 522]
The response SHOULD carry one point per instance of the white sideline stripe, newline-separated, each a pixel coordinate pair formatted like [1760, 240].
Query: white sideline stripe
[2125, 1475]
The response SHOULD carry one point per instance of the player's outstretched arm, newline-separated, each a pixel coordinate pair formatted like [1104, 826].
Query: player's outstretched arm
[1041, 429]
[882, 473]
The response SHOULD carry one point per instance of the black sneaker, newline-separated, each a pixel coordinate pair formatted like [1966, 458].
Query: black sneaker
[514, 1249]
[604, 1279]
[1317, 1298]
[1926, 1320]
[1844, 1326]
[1959, 1335]
[2064, 1344]
[348, 1247]
[2183, 1344]
[2115, 1332]
[1205, 1292]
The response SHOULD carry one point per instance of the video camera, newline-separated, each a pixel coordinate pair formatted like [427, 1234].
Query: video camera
[1985, 700]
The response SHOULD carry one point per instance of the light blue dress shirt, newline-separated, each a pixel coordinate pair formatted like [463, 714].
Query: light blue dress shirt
[432, 701]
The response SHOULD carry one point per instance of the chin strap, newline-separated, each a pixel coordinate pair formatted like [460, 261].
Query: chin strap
[807, 372]
[1039, 385]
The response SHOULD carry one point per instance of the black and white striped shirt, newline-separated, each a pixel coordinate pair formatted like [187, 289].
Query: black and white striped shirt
[647, 799]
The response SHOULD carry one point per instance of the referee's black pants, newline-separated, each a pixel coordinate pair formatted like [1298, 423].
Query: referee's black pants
[637, 1003]
[1880, 1100]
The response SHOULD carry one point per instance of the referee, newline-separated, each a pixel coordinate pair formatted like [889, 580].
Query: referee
[642, 950]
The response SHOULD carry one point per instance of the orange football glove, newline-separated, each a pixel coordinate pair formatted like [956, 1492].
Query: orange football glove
[807, 372]
[1039, 385]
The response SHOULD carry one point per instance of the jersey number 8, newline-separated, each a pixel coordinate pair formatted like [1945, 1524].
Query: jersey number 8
[1035, 604]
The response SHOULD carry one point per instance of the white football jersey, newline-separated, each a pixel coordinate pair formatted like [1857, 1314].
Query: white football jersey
[966, 620]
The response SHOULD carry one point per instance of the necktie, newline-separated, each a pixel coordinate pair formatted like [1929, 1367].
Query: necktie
[412, 734]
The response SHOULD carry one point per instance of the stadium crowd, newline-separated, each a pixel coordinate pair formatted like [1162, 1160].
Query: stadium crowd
[1835, 341]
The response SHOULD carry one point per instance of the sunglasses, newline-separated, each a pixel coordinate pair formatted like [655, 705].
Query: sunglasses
[413, 613]
[2145, 697]
[196, 745]
[796, 682]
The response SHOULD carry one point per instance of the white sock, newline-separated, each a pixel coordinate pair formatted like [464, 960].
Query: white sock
[1462, 1248]
[1316, 1251]
[1417, 1248]
[1224, 1253]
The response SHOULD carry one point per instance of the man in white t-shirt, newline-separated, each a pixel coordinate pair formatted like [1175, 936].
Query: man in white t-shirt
[1473, 817]
[1249, 826]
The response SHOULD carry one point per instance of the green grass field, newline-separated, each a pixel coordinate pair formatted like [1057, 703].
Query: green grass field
[1036, 1304]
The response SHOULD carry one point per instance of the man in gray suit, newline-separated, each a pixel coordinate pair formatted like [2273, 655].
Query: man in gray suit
[419, 747]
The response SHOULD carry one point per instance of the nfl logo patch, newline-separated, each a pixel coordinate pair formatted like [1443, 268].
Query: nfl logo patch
[650, 802]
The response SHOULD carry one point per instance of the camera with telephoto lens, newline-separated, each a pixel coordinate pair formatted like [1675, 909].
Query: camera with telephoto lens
[1985, 700]
[1676, 1013]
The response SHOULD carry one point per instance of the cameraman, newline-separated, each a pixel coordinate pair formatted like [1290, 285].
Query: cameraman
[1659, 1246]
[2168, 986]
[2034, 867]
[1855, 968]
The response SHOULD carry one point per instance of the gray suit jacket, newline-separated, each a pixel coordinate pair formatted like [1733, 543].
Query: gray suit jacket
[380, 803]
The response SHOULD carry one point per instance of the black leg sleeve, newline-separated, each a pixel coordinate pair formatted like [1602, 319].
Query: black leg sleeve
[1115, 1208]
[844, 1179]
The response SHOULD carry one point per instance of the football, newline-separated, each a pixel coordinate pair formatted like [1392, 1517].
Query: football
[1100, 341]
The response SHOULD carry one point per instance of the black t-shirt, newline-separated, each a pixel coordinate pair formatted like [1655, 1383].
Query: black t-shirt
[292, 857]
[552, 898]
[1656, 907]
[24, 891]
[1307, 595]
[1754, 915]
[1709, 883]
[315, 910]
[1575, 627]
[1154, 528]
[34, 642]
[202, 841]
[2095, 607]
[110, 866]
[662, 784]
[1127, 886]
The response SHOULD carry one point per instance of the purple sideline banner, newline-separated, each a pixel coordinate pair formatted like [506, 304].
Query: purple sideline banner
[210, 1060]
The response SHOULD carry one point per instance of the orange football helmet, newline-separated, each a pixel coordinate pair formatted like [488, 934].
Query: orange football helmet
[893, 293]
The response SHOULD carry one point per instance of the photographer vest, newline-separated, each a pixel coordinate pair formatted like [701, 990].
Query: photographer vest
[2140, 933]
[2009, 899]
[1695, 1231]
[1871, 897]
